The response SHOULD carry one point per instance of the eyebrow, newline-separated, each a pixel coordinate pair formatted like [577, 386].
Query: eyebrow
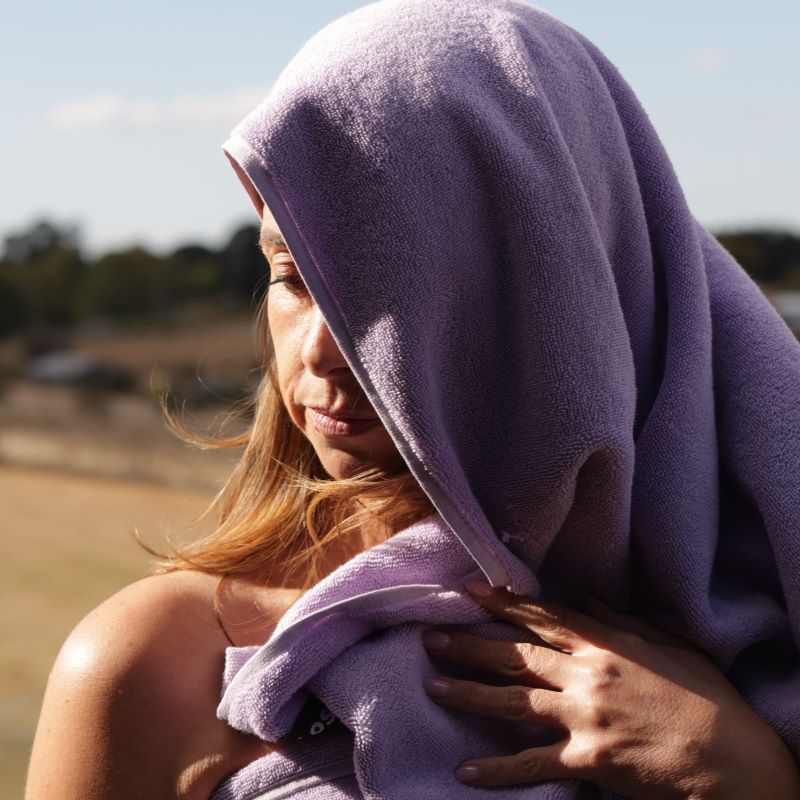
[269, 237]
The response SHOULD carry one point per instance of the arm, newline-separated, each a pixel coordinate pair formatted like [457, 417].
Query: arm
[643, 713]
[129, 710]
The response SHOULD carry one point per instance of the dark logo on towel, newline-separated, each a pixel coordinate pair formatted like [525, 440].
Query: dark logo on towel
[314, 719]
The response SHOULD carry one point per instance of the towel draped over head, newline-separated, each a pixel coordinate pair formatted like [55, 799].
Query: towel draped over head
[595, 396]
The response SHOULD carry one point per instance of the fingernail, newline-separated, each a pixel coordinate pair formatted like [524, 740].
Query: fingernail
[436, 687]
[477, 587]
[435, 640]
[466, 773]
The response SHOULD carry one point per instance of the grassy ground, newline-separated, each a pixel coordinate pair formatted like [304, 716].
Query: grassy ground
[78, 472]
[66, 545]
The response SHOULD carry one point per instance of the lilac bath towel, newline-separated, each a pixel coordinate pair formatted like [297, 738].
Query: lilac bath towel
[593, 393]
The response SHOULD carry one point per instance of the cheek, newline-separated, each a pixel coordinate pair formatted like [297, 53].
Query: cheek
[286, 341]
[289, 322]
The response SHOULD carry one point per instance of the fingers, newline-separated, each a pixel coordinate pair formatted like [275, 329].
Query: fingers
[561, 627]
[529, 766]
[518, 661]
[626, 622]
[519, 703]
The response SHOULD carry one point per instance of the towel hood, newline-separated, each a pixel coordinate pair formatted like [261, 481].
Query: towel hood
[459, 213]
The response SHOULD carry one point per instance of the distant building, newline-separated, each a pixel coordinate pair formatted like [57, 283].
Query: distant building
[71, 368]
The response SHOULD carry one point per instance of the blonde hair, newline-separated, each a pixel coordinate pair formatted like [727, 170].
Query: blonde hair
[278, 512]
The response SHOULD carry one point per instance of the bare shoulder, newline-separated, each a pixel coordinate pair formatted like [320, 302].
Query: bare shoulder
[129, 709]
[150, 605]
[161, 610]
[143, 631]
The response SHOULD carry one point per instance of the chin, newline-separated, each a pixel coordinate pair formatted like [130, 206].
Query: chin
[339, 464]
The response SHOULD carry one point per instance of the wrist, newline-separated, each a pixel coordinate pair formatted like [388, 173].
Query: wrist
[766, 770]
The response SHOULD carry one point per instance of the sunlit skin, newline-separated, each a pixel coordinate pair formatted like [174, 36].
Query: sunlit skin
[313, 373]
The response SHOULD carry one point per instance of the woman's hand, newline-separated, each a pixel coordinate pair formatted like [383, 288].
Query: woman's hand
[643, 713]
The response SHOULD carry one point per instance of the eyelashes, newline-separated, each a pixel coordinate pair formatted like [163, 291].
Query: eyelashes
[290, 279]
[294, 283]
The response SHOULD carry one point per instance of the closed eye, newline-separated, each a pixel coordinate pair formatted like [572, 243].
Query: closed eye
[294, 284]
[291, 279]
[282, 266]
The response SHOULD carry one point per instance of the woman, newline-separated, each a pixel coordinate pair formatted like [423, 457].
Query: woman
[493, 301]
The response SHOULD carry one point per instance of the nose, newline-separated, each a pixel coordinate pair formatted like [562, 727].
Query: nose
[321, 355]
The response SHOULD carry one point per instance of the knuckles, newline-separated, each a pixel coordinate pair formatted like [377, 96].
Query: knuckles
[591, 757]
[527, 766]
[511, 658]
[597, 719]
[598, 678]
[601, 677]
[516, 703]
[530, 766]
[604, 672]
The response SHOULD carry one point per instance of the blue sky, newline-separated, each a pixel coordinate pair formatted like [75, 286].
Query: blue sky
[114, 113]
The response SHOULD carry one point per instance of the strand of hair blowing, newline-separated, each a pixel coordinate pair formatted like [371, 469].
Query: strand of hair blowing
[278, 512]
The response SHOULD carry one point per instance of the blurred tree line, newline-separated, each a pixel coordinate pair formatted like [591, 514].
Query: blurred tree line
[772, 258]
[46, 281]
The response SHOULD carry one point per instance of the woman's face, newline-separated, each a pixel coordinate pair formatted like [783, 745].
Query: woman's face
[320, 392]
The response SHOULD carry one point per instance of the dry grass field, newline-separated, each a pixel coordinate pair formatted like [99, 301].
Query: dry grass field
[78, 472]
[66, 545]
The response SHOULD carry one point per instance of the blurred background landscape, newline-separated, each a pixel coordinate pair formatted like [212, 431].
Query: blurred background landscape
[130, 270]
[87, 348]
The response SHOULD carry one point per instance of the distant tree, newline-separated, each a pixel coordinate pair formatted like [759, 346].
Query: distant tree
[244, 268]
[193, 253]
[194, 271]
[771, 258]
[125, 284]
[46, 286]
[40, 271]
[40, 238]
[12, 313]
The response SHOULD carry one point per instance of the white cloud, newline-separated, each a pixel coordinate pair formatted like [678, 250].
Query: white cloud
[707, 59]
[105, 111]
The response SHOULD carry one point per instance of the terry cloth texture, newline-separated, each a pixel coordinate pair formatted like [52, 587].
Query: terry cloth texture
[594, 394]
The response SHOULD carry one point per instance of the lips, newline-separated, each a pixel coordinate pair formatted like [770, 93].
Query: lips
[341, 414]
[330, 425]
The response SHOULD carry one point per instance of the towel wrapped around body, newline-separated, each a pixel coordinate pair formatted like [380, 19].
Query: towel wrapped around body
[595, 396]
